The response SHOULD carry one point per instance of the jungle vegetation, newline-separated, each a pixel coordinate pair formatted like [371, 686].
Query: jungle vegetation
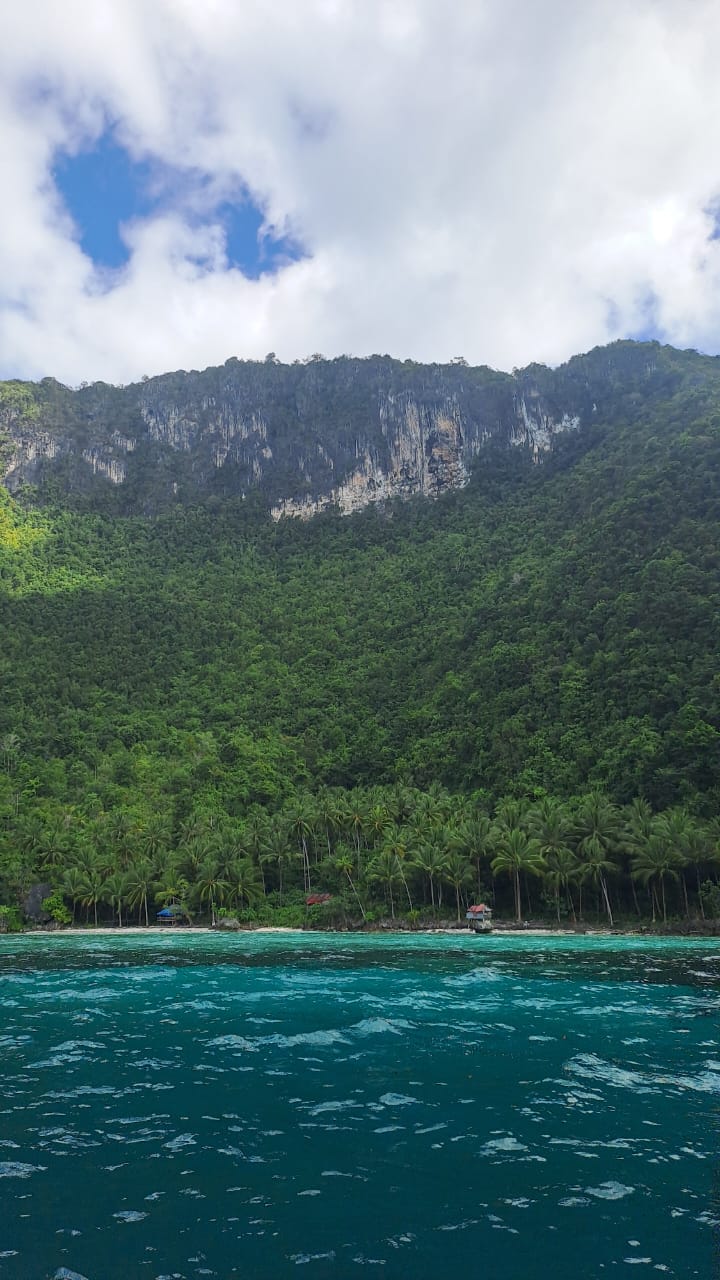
[511, 691]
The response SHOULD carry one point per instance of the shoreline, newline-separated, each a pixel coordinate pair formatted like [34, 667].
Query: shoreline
[710, 930]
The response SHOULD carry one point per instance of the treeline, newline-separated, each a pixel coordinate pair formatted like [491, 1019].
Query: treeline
[379, 852]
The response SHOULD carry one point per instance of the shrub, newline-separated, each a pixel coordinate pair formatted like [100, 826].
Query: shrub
[54, 906]
[10, 920]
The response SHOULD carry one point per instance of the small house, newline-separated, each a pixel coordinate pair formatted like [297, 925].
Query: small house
[172, 914]
[479, 918]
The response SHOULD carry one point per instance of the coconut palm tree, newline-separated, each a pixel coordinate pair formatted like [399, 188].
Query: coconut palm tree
[92, 889]
[476, 839]
[431, 858]
[138, 887]
[561, 869]
[245, 887]
[600, 832]
[678, 829]
[115, 893]
[397, 841]
[551, 825]
[153, 839]
[700, 851]
[386, 869]
[276, 850]
[301, 824]
[653, 863]
[73, 887]
[345, 863]
[211, 888]
[595, 865]
[458, 873]
[516, 852]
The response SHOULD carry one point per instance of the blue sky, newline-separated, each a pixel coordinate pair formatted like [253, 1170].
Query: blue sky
[103, 189]
[493, 179]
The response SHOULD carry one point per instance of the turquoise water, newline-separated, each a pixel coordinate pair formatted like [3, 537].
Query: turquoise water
[199, 1105]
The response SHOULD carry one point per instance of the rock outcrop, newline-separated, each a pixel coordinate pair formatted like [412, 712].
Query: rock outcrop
[309, 436]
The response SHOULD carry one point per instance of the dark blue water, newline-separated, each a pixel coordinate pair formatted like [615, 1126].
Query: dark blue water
[182, 1106]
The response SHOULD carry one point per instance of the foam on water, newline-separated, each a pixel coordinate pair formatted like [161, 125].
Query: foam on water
[331, 1103]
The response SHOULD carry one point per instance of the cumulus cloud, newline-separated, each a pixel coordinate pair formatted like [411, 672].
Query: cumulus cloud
[499, 179]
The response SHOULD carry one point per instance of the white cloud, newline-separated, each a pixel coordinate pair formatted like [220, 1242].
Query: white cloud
[500, 179]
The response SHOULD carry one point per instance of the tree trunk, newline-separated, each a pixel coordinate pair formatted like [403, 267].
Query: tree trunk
[685, 895]
[700, 901]
[518, 905]
[357, 895]
[607, 901]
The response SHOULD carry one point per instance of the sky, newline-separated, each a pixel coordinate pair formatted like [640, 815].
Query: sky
[503, 180]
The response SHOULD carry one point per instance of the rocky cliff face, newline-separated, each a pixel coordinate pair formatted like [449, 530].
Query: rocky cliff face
[340, 433]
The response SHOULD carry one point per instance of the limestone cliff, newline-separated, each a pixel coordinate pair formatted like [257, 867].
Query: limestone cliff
[308, 436]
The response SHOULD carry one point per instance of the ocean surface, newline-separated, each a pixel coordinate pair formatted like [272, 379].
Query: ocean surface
[269, 1105]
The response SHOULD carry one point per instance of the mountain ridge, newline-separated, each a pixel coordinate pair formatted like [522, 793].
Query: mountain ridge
[314, 435]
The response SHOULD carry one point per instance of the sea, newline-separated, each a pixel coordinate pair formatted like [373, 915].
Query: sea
[186, 1104]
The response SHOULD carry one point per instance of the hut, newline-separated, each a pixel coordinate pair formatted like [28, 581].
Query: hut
[479, 917]
[173, 913]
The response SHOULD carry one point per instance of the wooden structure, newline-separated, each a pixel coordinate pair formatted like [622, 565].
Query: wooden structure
[479, 918]
[173, 913]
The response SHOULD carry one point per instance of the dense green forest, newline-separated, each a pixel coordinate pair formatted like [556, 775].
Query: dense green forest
[510, 691]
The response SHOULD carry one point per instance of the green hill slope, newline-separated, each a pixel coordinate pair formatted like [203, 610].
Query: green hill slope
[546, 631]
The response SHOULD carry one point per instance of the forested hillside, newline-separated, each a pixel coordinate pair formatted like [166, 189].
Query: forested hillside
[317, 697]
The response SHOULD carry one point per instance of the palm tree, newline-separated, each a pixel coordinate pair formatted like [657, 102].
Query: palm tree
[678, 829]
[153, 839]
[596, 865]
[73, 887]
[172, 887]
[516, 852]
[355, 819]
[120, 829]
[138, 886]
[550, 824]
[656, 860]
[245, 888]
[115, 893]
[211, 887]
[92, 889]
[378, 824]
[386, 869]
[301, 825]
[475, 838]
[276, 851]
[431, 858]
[700, 850]
[640, 826]
[511, 815]
[600, 832]
[345, 863]
[457, 873]
[562, 868]
[397, 841]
